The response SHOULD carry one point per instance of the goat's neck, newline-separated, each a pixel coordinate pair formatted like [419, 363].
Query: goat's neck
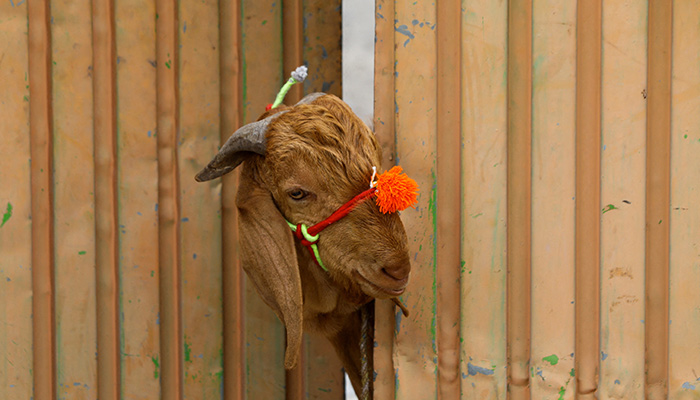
[324, 299]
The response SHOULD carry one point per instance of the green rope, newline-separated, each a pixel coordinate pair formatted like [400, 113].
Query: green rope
[311, 239]
[298, 76]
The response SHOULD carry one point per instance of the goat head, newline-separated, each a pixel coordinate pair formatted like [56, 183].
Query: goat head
[300, 164]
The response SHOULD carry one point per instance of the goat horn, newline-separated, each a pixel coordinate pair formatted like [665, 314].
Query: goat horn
[249, 138]
[309, 98]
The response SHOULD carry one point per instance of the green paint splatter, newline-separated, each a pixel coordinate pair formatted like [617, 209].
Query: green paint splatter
[82, 252]
[26, 98]
[477, 215]
[156, 366]
[188, 351]
[152, 273]
[685, 136]
[573, 372]
[562, 391]
[8, 214]
[462, 266]
[660, 221]
[324, 390]
[264, 22]
[609, 207]
[553, 359]
[167, 64]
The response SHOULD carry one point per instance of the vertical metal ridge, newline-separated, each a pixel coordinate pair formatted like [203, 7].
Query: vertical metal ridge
[384, 74]
[231, 118]
[658, 189]
[292, 57]
[292, 46]
[41, 130]
[106, 211]
[587, 231]
[449, 18]
[519, 195]
[168, 199]
[384, 129]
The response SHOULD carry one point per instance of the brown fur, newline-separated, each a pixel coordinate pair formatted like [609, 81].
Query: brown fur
[324, 149]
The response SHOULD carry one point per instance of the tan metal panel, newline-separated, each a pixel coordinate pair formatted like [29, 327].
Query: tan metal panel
[519, 195]
[623, 126]
[137, 161]
[321, 46]
[42, 245]
[167, 66]
[74, 203]
[415, 347]
[483, 292]
[553, 191]
[16, 344]
[658, 176]
[684, 302]
[384, 123]
[587, 234]
[262, 79]
[448, 201]
[198, 138]
[106, 208]
[232, 274]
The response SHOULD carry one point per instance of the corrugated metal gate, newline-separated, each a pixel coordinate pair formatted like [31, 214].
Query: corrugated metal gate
[556, 241]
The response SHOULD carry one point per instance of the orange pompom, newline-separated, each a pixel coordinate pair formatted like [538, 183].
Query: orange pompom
[396, 191]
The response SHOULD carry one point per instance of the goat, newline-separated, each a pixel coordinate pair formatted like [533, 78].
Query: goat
[300, 164]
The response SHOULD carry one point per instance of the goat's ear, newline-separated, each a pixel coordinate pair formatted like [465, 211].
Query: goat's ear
[269, 258]
[247, 139]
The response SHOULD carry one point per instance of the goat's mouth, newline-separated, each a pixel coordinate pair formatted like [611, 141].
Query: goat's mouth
[391, 292]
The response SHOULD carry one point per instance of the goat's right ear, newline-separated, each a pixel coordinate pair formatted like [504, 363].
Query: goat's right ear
[269, 258]
[247, 139]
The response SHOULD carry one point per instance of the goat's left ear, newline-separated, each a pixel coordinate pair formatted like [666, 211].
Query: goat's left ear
[269, 258]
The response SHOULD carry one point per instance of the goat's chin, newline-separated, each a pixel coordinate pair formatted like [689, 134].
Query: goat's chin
[378, 291]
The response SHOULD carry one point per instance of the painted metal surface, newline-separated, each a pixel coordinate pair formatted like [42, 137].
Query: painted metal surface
[578, 232]
[115, 279]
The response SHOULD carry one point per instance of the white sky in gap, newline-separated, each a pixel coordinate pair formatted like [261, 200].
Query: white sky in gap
[358, 57]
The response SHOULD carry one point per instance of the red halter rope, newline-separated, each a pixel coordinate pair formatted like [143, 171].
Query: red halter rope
[311, 237]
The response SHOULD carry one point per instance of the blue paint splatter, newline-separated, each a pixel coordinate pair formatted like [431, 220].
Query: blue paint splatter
[415, 22]
[184, 27]
[12, 2]
[403, 29]
[194, 256]
[603, 356]
[473, 370]
[185, 219]
[688, 385]
[617, 381]
[399, 315]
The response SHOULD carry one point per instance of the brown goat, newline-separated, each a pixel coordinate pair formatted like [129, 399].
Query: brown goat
[301, 163]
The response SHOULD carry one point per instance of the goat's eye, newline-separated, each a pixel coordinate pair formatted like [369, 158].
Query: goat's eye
[297, 194]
